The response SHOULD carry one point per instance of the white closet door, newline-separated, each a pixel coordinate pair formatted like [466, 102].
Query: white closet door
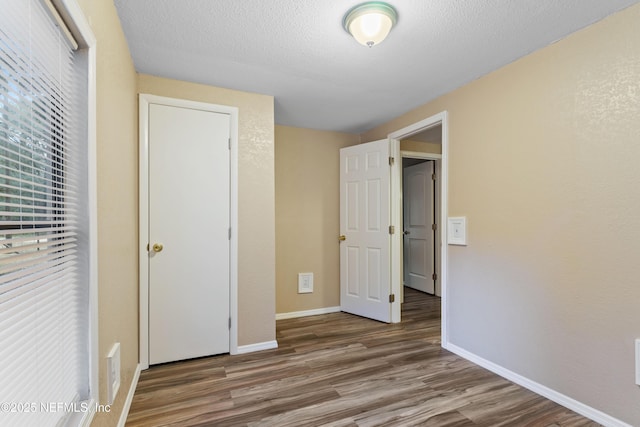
[188, 233]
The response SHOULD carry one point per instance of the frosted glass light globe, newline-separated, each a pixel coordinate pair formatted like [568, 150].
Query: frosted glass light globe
[370, 23]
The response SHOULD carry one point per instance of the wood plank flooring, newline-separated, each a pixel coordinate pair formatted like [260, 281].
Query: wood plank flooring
[343, 370]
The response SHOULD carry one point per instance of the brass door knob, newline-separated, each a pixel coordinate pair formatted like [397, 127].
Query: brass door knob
[157, 247]
[342, 237]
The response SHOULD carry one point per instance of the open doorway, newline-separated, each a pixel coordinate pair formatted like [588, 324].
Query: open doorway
[424, 142]
[419, 225]
[421, 155]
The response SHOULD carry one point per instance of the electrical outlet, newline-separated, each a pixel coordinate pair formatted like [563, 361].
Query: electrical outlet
[113, 373]
[305, 283]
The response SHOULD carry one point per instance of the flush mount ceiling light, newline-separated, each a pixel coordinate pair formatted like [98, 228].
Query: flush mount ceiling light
[369, 23]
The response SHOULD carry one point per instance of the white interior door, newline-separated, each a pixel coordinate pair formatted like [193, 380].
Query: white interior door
[365, 280]
[418, 219]
[188, 216]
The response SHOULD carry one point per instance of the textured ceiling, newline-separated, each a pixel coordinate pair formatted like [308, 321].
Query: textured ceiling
[320, 77]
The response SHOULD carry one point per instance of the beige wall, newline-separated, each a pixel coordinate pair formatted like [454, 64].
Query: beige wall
[117, 149]
[307, 216]
[544, 163]
[256, 199]
[421, 146]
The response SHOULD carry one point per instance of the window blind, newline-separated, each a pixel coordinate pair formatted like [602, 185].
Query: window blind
[44, 308]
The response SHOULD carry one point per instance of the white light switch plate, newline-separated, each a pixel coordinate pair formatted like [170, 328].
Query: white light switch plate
[457, 230]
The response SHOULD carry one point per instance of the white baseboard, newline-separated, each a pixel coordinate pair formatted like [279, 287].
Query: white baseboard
[129, 399]
[561, 399]
[250, 348]
[314, 312]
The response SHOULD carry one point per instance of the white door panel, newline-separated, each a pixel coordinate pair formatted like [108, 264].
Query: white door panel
[189, 216]
[364, 220]
[418, 207]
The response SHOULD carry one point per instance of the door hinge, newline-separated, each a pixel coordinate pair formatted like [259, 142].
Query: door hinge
[392, 229]
[434, 227]
[391, 161]
[229, 233]
[229, 322]
[434, 276]
[229, 143]
[433, 176]
[392, 298]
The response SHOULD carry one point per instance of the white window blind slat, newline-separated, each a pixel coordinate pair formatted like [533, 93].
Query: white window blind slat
[24, 258]
[29, 323]
[26, 216]
[31, 185]
[30, 180]
[7, 183]
[44, 309]
[39, 232]
[35, 288]
[29, 204]
[25, 243]
[22, 331]
[31, 254]
[19, 265]
[37, 278]
[25, 196]
[41, 155]
[36, 126]
[26, 224]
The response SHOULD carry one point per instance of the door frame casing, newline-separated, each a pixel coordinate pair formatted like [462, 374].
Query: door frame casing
[144, 101]
[396, 213]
